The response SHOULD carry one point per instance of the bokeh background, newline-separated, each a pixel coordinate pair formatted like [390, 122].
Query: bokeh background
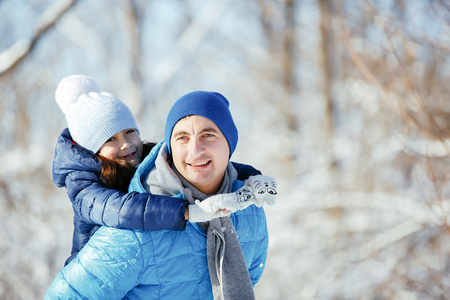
[346, 103]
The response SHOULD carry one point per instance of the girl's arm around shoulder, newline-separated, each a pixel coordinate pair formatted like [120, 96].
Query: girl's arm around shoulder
[96, 204]
[156, 212]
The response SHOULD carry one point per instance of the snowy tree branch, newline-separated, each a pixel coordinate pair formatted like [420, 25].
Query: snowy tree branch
[12, 56]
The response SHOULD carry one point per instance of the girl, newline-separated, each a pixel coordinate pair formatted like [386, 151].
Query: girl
[95, 159]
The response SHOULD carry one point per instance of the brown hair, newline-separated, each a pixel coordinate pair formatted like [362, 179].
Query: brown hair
[117, 174]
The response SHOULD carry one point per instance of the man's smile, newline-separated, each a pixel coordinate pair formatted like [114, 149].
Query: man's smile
[200, 164]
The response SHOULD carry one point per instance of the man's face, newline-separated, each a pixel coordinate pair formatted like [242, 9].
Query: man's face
[200, 152]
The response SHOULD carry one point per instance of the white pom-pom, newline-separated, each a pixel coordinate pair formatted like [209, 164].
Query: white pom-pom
[71, 88]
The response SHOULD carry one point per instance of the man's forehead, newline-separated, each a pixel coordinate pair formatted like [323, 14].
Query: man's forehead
[196, 123]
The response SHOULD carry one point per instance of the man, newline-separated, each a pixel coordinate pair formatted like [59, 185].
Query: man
[220, 259]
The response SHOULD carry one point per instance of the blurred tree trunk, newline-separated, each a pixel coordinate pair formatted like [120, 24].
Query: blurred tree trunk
[288, 63]
[22, 120]
[278, 21]
[134, 25]
[326, 10]
[286, 103]
[326, 35]
[134, 80]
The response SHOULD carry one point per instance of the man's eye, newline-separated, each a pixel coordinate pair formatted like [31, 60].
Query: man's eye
[209, 135]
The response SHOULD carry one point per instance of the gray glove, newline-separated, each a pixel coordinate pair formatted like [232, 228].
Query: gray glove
[197, 214]
[264, 188]
[259, 190]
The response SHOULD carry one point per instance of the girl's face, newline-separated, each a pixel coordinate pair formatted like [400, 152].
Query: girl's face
[125, 145]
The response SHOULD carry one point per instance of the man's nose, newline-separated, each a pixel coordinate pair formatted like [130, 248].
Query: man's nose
[196, 147]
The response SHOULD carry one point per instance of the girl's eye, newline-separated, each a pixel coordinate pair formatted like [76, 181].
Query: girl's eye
[131, 130]
[110, 140]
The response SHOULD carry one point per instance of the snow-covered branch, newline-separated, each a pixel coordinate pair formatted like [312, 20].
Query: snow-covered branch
[12, 56]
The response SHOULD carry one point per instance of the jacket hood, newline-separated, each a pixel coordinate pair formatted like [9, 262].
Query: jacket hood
[70, 157]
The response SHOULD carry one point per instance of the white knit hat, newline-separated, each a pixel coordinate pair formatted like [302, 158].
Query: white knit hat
[93, 116]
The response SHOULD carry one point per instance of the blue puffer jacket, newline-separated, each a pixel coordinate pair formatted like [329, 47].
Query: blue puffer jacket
[134, 264]
[78, 170]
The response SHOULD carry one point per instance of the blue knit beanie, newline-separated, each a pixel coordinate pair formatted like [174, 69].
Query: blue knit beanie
[93, 116]
[210, 105]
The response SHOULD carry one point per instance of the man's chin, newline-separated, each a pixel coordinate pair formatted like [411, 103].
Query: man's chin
[197, 181]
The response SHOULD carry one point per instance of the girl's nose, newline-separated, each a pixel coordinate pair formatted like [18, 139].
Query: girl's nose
[125, 145]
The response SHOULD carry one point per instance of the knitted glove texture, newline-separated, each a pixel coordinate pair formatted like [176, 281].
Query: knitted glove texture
[259, 190]
[264, 189]
[198, 214]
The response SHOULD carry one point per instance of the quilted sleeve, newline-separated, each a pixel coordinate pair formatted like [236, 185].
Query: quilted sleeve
[95, 204]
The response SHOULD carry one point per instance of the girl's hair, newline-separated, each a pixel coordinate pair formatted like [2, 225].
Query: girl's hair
[117, 174]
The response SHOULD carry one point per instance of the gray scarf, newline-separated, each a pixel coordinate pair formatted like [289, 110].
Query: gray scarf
[229, 275]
